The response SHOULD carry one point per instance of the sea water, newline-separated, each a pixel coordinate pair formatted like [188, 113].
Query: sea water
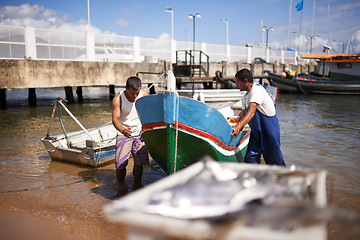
[317, 131]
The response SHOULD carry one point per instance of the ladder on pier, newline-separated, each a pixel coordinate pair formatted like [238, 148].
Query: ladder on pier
[191, 63]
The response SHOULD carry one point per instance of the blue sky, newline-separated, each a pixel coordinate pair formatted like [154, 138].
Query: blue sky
[148, 19]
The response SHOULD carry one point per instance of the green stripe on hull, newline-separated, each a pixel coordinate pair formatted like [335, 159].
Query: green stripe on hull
[190, 149]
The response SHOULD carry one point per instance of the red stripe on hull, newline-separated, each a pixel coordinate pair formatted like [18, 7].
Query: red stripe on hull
[151, 126]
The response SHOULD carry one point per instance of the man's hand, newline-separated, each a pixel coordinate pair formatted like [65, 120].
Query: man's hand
[126, 132]
[236, 130]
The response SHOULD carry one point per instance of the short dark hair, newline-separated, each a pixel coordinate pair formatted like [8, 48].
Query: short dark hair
[133, 82]
[245, 74]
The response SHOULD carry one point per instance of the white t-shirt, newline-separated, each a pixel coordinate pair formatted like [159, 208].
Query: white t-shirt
[259, 95]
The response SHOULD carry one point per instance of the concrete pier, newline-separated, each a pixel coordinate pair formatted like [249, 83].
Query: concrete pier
[34, 74]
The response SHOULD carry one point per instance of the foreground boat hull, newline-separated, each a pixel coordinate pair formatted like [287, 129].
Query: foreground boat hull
[179, 131]
[314, 85]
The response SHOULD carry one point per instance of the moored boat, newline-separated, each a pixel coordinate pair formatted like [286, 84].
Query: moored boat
[92, 147]
[178, 131]
[336, 73]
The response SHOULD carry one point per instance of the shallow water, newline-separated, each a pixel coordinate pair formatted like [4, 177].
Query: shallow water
[317, 131]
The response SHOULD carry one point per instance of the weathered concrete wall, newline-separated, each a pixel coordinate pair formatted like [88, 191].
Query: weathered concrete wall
[47, 74]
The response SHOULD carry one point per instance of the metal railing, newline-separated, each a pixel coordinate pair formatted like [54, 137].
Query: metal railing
[50, 44]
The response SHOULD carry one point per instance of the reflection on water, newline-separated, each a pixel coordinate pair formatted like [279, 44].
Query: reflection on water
[323, 131]
[317, 131]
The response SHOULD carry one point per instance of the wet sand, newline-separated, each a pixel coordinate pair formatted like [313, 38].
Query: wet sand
[36, 214]
[24, 216]
[45, 213]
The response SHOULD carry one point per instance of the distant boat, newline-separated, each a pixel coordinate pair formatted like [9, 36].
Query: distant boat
[336, 73]
[92, 147]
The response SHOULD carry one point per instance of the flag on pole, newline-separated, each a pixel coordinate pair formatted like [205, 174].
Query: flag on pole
[299, 6]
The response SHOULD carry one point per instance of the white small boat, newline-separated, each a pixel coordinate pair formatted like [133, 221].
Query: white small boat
[213, 95]
[93, 147]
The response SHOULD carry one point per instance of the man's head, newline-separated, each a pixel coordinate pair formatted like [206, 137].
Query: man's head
[244, 79]
[133, 82]
[133, 87]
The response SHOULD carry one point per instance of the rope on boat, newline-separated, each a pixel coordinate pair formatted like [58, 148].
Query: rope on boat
[51, 121]
[300, 85]
[62, 125]
[177, 128]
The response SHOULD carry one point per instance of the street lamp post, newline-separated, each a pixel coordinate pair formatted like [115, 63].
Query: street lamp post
[192, 17]
[311, 39]
[170, 10]
[88, 10]
[227, 30]
[265, 28]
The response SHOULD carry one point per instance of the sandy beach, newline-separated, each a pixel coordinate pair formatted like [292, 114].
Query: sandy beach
[43, 214]
[25, 215]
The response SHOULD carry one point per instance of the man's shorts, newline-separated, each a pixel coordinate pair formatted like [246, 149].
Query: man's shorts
[134, 145]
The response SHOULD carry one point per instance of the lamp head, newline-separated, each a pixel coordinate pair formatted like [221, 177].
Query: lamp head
[168, 9]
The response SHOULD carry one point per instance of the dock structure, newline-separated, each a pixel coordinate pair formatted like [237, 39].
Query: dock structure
[34, 74]
[193, 66]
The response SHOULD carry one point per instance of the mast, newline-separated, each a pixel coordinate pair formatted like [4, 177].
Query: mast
[262, 33]
[300, 27]
[312, 27]
[329, 25]
[290, 29]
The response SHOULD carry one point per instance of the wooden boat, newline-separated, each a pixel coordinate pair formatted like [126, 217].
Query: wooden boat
[178, 131]
[336, 73]
[92, 147]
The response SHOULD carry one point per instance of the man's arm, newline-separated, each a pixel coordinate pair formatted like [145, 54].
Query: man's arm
[116, 103]
[144, 93]
[244, 118]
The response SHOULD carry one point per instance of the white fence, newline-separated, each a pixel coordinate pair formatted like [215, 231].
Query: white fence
[48, 44]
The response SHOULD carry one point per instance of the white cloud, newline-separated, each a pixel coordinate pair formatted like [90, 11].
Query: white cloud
[122, 22]
[164, 36]
[39, 17]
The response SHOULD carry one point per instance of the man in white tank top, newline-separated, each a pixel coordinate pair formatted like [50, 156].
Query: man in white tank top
[129, 140]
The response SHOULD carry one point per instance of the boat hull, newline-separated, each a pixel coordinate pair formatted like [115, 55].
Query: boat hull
[78, 149]
[313, 85]
[179, 131]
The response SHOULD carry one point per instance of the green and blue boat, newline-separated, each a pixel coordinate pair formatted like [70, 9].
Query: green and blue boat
[179, 131]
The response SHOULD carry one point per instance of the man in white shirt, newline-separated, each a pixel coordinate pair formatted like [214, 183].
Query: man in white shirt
[258, 110]
[125, 119]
